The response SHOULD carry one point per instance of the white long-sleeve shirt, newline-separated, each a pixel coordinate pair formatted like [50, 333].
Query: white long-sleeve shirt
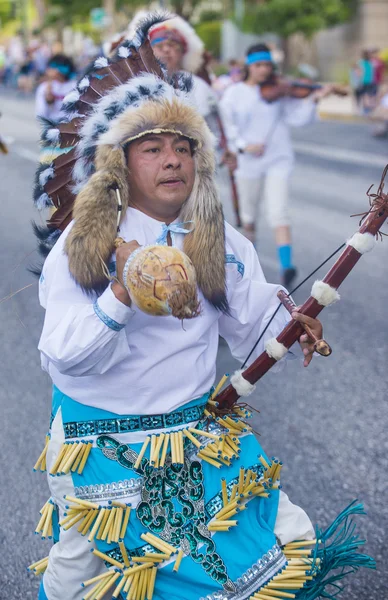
[60, 90]
[104, 354]
[248, 119]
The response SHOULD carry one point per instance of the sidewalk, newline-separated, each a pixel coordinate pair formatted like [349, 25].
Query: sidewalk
[341, 108]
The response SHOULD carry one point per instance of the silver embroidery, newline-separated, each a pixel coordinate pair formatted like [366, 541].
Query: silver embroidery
[108, 491]
[254, 577]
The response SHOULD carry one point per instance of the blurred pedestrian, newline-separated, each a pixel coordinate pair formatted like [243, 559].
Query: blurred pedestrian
[366, 91]
[59, 82]
[259, 132]
[234, 75]
[378, 68]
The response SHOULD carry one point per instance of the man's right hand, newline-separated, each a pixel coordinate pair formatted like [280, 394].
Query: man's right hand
[255, 149]
[122, 254]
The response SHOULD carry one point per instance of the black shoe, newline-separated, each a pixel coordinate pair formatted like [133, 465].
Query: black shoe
[288, 277]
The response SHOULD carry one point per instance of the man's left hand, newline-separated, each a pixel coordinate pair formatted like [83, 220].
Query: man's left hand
[230, 160]
[306, 342]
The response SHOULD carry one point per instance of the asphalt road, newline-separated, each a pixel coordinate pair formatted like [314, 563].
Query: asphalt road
[327, 423]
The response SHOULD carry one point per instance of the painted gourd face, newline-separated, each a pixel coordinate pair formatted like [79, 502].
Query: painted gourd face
[161, 281]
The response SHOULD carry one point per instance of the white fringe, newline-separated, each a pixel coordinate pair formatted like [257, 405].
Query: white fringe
[241, 385]
[72, 96]
[53, 134]
[84, 84]
[123, 52]
[45, 175]
[324, 294]
[100, 62]
[275, 349]
[362, 242]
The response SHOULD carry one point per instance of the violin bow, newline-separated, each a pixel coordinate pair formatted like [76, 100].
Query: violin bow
[323, 294]
[204, 74]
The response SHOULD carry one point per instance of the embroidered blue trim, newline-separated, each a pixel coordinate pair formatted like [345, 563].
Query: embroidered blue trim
[107, 320]
[230, 258]
[134, 423]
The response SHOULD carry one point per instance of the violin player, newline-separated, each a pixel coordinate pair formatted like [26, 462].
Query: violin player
[258, 130]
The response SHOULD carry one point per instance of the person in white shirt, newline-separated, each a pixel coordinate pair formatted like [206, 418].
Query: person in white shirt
[134, 477]
[258, 131]
[59, 82]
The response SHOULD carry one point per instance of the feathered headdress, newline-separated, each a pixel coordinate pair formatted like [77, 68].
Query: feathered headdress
[116, 101]
[174, 27]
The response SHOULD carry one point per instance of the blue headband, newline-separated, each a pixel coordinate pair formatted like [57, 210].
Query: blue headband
[263, 56]
[63, 69]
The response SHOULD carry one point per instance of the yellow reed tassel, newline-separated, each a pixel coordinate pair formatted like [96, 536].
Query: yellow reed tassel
[292, 577]
[72, 456]
[142, 452]
[219, 386]
[178, 561]
[45, 523]
[105, 523]
[40, 464]
[158, 543]
[39, 566]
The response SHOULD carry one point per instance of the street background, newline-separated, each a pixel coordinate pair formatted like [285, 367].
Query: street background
[327, 423]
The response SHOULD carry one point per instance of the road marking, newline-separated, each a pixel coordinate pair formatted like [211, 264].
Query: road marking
[25, 153]
[340, 154]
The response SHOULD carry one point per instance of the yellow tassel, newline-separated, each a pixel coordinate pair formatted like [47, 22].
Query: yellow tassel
[282, 584]
[107, 558]
[142, 452]
[118, 589]
[71, 454]
[40, 464]
[45, 520]
[192, 438]
[181, 451]
[209, 460]
[224, 492]
[218, 387]
[158, 543]
[151, 584]
[125, 521]
[166, 442]
[39, 566]
[178, 561]
[105, 523]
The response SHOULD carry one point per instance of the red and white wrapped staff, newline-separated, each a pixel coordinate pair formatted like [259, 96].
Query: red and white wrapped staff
[323, 293]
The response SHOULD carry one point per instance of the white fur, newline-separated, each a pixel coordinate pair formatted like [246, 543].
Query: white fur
[362, 242]
[275, 349]
[242, 386]
[100, 62]
[84, 83]
[45, 175]
[43, 202]
[53, 134]
[123, 52]
[72, 96]
[324, 294]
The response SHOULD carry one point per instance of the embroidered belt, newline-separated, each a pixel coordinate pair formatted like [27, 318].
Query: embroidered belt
[134, 422]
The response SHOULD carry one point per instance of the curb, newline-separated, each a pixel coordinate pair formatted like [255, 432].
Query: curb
[346, 118]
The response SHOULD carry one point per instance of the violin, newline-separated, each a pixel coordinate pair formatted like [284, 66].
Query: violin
[278, 87]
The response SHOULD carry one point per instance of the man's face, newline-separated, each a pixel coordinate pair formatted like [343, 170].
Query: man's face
[259, 72]
[161, 174]
[170, 53]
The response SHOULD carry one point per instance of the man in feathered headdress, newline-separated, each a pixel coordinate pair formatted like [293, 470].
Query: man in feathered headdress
[135, 452]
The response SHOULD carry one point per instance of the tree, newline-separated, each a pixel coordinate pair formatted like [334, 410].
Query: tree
[286, 17]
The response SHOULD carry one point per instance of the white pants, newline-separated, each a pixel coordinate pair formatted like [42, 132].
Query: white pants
[271, 190]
